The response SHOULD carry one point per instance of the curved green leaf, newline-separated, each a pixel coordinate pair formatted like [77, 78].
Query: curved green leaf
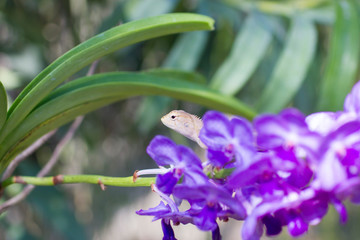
[137, 9]
[177, 74]
[248, 50]
[3, 105]
[94, 48]
[343, 58]
[86, 94]
[187, 51]
[287, 8]
[291, 68]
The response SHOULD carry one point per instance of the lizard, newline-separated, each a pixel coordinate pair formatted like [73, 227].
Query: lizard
[186, 124]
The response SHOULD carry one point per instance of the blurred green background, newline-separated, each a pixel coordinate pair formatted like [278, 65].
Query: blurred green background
[269, 54]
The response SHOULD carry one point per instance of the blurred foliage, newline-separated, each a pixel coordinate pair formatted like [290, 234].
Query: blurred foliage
[269, 54]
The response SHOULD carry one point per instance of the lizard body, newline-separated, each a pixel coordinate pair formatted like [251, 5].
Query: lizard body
[186, 124]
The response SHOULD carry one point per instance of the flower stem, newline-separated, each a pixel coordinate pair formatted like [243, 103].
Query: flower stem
[92, 179]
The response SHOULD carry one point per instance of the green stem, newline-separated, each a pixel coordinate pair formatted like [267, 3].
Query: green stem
[92, 179]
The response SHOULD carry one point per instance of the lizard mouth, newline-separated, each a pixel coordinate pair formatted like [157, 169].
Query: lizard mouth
[162, 119]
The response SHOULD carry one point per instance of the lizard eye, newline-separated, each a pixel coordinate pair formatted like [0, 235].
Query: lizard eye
[173, 116]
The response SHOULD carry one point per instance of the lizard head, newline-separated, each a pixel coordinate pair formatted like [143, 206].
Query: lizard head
[179, 121]
[184, 123]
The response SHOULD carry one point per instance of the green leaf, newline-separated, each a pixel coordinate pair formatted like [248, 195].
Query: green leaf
[86, 94]
[286, 8]
[249, 48]
[94, 48]
[137, 9]
[291, 68]
[343, 60]
[3, 105]
[177, 74]
[187, 51]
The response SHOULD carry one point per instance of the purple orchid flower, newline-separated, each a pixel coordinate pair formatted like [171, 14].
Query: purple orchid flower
[280, 166]
[286, 130]
[323, 122]
[209, 203]
[182, 161]
[167, 213]
[326, 122]
[227, 139]
[211, 195]
[295, 210]
[340, 161]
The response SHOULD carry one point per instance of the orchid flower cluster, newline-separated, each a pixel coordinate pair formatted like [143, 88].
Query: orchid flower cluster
[284, 170]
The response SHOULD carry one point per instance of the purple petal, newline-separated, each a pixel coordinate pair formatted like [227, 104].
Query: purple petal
[166, 182]
[241, 178]
[283, 159]
[347, 134]
[252, 229]
[312, 211]
[271, 131]
[294, 116]
[330, 173]
[300, 177]
[352, 100]
[227, 139]
[245, 156]
[351, 158]
[340, 208]
[322, 122]
[349, 189]
[273, 225]
[190, 193]
[194, 177]
[216, 130]
[168, 231]
[165, 212]
[189, 158]
[265, 208]
[241, 130]
[206, 219]
[163, 151]
[297, 227]
[287, 130]
[209, 194]
[159, 210]
[218, 158]
[216, 234]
